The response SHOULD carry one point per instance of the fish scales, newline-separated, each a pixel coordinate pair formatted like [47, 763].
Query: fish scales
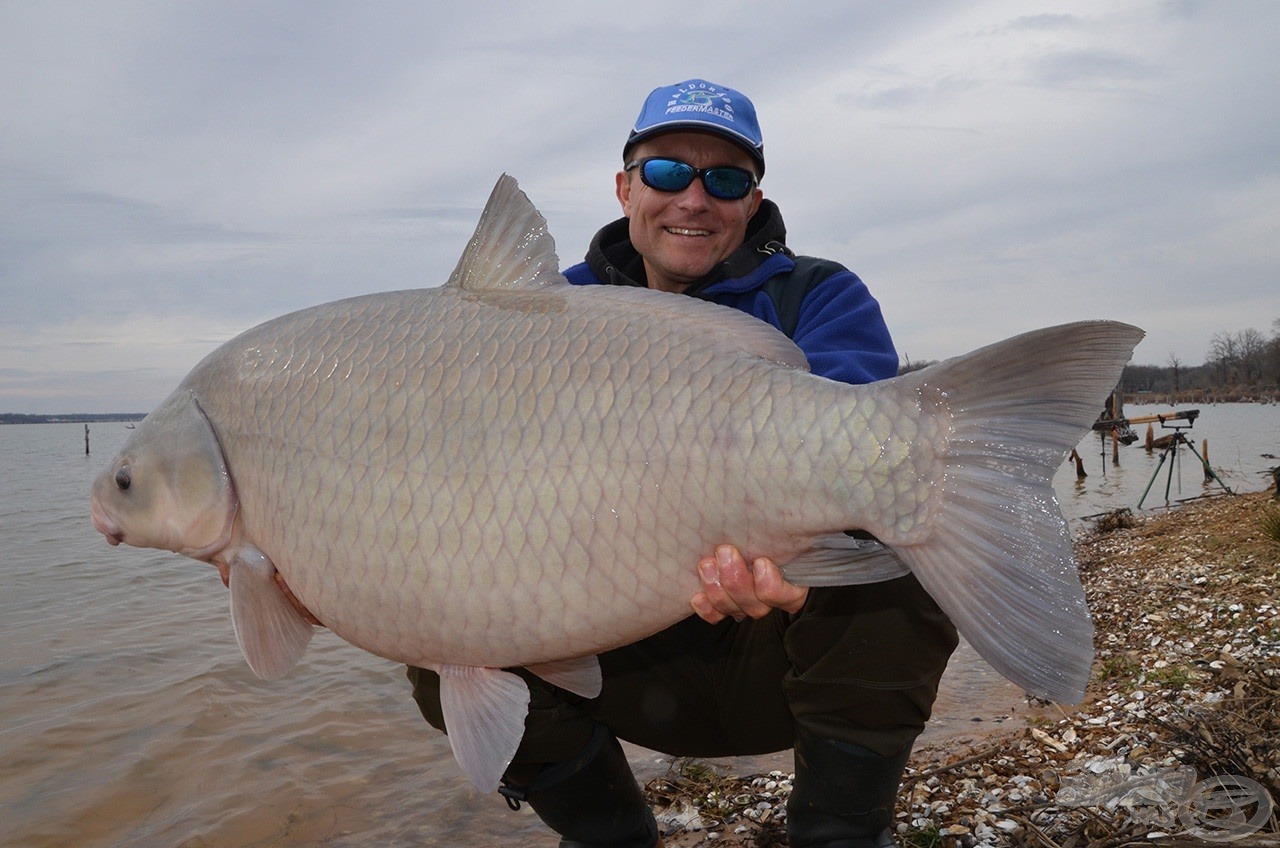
[512, 471]
[549, 506]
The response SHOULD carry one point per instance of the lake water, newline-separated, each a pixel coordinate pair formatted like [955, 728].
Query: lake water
[130, 718]
[1239, 435]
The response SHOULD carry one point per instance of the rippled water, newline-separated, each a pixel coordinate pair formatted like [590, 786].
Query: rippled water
[129, 717]
[1238, 437]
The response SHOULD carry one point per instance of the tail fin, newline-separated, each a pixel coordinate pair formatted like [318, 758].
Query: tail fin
[999, 556]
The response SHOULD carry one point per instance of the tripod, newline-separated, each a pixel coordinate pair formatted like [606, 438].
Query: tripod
[1172, 449]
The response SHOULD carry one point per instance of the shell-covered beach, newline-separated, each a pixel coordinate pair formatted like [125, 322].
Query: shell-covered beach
[1186, 686]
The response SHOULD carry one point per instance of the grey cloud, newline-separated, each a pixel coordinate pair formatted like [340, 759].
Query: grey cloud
[1045, 23]
[1088, 67]
[913, 94]
[70, 250]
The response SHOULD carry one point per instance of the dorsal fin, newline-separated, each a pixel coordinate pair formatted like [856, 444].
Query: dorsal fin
[511, 248]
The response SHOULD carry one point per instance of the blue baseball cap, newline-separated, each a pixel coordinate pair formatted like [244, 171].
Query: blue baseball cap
[700, 106]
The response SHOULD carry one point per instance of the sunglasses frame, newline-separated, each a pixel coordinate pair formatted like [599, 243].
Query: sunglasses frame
[695, 174]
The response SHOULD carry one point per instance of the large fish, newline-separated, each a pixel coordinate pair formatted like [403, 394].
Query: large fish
[512, 471]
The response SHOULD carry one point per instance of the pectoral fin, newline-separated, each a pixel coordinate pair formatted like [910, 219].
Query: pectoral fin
[484, 711]
[272, 634]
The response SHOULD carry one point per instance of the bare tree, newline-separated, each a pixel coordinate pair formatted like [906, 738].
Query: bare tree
[1243, 357]
[1252, 347]
[1224, 357]
[1273, 354]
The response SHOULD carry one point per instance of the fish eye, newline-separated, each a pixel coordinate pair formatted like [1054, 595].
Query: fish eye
[122, 478]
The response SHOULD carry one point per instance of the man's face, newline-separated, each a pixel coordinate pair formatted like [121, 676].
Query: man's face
[683, 235]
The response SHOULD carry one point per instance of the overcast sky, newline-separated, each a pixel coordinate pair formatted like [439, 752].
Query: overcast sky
[174, 173]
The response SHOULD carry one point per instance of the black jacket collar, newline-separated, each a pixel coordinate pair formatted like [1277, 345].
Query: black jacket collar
[614, 261]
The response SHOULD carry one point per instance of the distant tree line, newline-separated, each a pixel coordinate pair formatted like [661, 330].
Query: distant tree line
[1243, 366]
[1240, 366]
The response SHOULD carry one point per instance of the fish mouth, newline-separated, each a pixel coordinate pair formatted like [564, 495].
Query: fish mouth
[104, 525]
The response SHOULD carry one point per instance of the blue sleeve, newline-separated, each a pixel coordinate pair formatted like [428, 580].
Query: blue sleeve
[843, 334]
[580, 275]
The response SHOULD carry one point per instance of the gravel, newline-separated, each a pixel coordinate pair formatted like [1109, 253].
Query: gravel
[1186, 686]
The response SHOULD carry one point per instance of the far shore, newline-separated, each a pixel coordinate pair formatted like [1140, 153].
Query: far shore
[72, 418]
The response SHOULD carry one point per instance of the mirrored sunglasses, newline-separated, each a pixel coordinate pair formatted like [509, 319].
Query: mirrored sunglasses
[724, 182]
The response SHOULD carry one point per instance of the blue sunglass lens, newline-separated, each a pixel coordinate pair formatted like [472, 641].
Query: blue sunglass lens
[725, 183]
[667, 174]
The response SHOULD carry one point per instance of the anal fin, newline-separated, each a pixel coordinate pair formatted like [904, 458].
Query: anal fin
[580, 675]
[843, 560]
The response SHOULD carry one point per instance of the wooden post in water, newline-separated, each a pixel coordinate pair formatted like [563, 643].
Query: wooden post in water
[1075, 455]
[1115, 446]
[1151, 437]
[1204, 453]
[86, 440]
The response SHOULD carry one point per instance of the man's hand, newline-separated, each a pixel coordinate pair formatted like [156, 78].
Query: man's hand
[731, 589]
[224, 571]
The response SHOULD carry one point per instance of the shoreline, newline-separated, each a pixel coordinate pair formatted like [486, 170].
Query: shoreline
[72, 418]
[1186, 685]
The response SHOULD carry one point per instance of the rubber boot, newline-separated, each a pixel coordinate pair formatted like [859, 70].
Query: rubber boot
[843, 795]
[592, 801]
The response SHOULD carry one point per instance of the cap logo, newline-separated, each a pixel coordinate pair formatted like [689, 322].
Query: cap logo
[696, 105]
[701, 98]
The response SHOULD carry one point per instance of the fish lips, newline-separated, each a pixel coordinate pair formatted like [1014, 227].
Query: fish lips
[104, 525]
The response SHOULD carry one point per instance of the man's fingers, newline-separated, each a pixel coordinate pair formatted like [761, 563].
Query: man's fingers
[738, 584]
[732, 589]
[717, 581]
[774, 590]
[702, 606]
[730, 585]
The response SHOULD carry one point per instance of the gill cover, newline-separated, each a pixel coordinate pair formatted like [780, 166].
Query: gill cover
[170, 487]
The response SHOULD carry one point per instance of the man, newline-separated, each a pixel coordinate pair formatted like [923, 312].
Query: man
[846, 676]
